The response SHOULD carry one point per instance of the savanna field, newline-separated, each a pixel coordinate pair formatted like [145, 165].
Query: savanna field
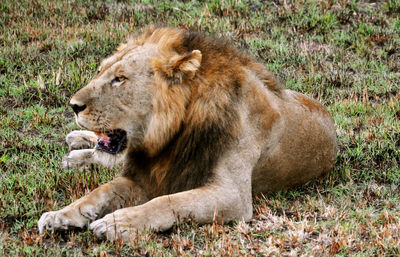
[344, 53]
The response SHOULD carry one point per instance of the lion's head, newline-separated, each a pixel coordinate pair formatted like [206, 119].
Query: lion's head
[170, 97]
[120, 102]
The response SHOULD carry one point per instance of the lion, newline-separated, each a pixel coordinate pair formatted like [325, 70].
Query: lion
[199, 127]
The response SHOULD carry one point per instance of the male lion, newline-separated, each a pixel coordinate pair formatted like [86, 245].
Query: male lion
[199, 125]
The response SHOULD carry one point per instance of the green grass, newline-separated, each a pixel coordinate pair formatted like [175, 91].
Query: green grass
[344, 54]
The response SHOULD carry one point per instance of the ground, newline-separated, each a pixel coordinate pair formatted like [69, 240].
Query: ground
[344, 53]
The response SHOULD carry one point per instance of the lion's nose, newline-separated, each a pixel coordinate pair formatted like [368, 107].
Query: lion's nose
[78, 108]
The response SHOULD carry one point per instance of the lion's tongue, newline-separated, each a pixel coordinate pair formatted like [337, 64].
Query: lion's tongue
[103, 139]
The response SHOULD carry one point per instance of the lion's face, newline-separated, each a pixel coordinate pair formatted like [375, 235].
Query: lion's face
[140, 96]
[117, 103]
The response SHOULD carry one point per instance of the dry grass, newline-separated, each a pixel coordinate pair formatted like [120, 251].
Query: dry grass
[343, 53]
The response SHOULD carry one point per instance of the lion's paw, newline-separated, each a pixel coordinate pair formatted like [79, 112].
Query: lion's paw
[60, 220]
[68, 218]
[78, 159]
[81, 139]
[100, 227]
[115, 226]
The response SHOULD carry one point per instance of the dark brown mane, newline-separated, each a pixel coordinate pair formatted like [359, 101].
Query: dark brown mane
[211, 123]
[221, 54]
[186, 162]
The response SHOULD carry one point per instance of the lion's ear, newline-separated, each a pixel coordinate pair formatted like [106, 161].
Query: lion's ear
[178, 66]
[189, 63]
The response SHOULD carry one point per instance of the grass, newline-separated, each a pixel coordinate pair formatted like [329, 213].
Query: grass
[343, 53]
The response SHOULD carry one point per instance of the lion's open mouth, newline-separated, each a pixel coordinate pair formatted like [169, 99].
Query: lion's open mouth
[111, 142]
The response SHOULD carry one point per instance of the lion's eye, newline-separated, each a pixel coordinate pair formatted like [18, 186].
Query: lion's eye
[118, 79]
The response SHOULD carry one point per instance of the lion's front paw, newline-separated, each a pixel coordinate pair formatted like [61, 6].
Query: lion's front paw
[81, 139]
[118, 225]
[67, 218]
[59, 220]
[78, 159]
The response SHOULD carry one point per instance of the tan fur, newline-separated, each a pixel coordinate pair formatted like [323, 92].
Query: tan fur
[207, 127]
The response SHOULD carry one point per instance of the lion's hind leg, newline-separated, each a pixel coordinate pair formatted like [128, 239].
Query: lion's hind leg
[119, 193]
